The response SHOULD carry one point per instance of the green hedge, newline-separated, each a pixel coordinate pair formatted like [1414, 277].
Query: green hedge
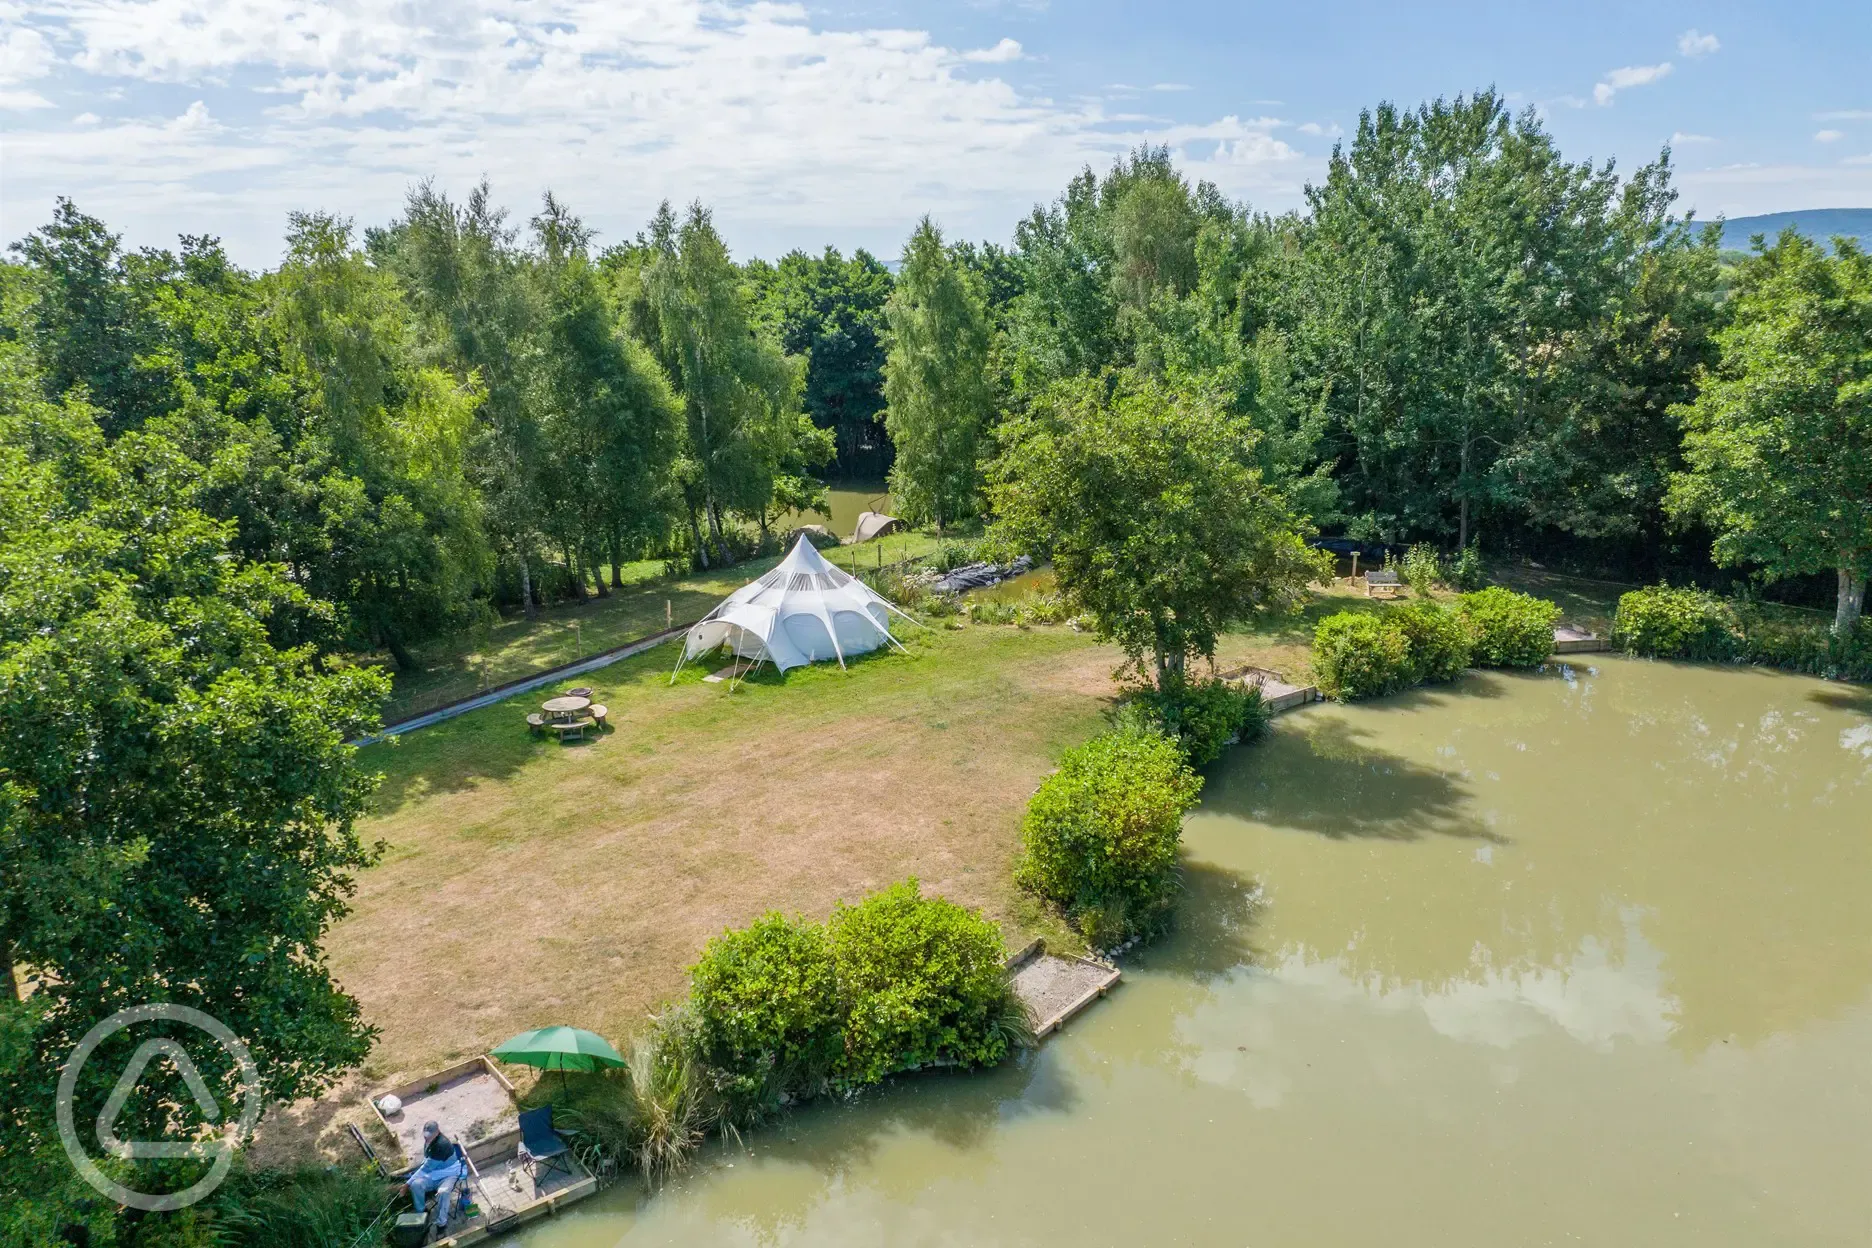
[920, 980]
[766, 1004]
[1435, 640]
[1664, 623]
[1507, 629]
[1361, 655]
[1204, 717]
[1100, 837]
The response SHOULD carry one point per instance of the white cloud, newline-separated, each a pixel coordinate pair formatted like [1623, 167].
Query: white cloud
[1679, 138]
[792, 132]
[1741, 190]
[86, 119]
[1314, 128]
[1626, 77]
[1828, 136]
[1693, 44]
[1170, 86]
[1006, 50]
[1845, 114]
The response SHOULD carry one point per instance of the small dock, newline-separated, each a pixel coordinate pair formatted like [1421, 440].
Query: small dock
[1277, 693]
[1054, 989]
[1570, 640]
[474, 1105]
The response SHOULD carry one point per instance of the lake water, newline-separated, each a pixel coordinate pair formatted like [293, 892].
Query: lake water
[845, 502]
[1574, 957]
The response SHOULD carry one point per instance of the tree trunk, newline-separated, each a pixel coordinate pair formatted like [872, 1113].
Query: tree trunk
[8, 981]
[526, 586]
[617, 561]
[575, 567]
[695, 531]
[1852, 587]
[715, 530]
[403, 658]
[1462, 478]
[597, 571]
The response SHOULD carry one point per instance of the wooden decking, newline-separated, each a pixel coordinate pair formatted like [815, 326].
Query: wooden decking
[1277, 693]
[1570, 640]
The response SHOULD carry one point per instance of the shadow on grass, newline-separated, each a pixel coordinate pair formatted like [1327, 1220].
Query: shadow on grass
[1325, 777]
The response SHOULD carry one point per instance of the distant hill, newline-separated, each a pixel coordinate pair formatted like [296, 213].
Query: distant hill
[1820, 224]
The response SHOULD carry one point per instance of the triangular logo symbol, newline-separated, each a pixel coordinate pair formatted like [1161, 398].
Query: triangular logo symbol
[146, 1053]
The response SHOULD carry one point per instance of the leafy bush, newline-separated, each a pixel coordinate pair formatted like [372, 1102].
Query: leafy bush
[1436, 640]
[1421, 569]
[766, 1006]
[1466, 572]
[951, 555]
[1805, 646]
[1361, 655]
[1100, 837]
[1664, 623]
[1507, 629]
[1204, 717]
[921, 982]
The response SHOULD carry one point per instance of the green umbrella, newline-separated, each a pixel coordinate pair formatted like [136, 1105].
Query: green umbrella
[560, 1049]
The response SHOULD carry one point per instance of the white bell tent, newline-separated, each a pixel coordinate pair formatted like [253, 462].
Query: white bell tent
[803, 611]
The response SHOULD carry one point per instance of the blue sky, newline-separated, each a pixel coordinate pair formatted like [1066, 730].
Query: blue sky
[842, 122]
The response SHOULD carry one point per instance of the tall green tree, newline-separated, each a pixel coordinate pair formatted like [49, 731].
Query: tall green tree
[1779, 437]
[1155, 515]
[610, 422]
[1450, 256]
[177, 805]
[740, 392]
[937, 387]
[830, 310]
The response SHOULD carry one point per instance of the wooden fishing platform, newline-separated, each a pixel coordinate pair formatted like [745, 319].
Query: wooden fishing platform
[1277, 694]
[474, 1105]
[1053, 988]
[1570, 640]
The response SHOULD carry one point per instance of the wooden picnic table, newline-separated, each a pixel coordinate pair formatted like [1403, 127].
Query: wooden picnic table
[565, 707]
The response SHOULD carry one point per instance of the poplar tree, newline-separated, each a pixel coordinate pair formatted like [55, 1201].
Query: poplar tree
[937, 393]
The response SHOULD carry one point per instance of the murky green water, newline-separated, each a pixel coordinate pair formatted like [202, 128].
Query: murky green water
[1580, 958]
[845, 503]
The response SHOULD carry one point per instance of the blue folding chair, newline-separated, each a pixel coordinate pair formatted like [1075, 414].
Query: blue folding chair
[544, 1145]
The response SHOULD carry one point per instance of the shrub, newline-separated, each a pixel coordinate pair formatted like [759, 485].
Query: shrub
[1805, 646]
[1466, 572]
[1100, 837]
[1664, 623]
[1360, 655]
[765, 1001]
[921, 982]
[1204, 717]
[1436, 640]
[951, 555]
[1421, 569]
[1507, 629]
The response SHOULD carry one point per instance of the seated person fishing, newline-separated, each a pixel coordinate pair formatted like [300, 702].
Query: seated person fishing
[442, 1169]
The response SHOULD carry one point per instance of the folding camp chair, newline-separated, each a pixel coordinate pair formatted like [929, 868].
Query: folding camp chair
[546, 1149]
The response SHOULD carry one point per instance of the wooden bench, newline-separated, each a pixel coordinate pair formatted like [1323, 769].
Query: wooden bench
[536, 722]
[598, 713]
[1385, 579]
[565, 726]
